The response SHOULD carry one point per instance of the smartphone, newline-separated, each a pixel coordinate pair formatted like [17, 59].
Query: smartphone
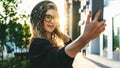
[96, 5]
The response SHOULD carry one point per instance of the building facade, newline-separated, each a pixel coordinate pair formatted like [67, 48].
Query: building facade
[108, 43]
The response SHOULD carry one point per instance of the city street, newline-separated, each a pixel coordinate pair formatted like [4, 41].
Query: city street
[94, 61]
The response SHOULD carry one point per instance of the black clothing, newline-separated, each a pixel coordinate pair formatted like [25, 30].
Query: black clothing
[43, 55]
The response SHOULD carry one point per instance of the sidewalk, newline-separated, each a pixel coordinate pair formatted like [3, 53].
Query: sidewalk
[94, 61]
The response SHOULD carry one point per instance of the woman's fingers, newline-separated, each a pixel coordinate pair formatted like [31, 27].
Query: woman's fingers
[89, 17]
[102, 26]
[97, 15]
[95, 29]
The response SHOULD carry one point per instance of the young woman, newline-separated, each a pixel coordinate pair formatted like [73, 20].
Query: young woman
[47, 44]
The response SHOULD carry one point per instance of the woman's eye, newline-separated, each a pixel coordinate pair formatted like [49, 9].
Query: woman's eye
[48, 17]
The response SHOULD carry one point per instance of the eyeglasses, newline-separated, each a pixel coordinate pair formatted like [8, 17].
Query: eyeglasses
[48, 18]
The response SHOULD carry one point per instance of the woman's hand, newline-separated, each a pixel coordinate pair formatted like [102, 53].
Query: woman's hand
[66, 38]
[94, 28]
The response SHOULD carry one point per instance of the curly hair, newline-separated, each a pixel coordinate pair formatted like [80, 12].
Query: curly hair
[36, 19]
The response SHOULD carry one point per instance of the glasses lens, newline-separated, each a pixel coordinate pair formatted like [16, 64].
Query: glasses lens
[48, 17]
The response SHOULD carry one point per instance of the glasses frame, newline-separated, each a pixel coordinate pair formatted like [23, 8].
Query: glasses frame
[49, 18]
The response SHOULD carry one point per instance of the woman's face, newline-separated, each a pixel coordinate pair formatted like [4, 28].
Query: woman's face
[50, 20]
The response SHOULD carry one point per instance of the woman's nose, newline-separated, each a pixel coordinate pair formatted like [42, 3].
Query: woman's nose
[52, 21]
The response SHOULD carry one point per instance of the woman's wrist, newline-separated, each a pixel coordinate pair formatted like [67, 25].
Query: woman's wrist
[84, 39]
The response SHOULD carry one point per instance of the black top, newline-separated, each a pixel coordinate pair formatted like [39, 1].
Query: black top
[43, 55]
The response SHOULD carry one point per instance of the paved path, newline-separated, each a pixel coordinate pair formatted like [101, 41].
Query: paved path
[94, 61]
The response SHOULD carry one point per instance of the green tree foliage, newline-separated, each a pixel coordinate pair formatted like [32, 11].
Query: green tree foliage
[11, 29]
[115, 42]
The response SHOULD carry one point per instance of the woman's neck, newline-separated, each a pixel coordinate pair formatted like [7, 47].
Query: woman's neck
[48, 34]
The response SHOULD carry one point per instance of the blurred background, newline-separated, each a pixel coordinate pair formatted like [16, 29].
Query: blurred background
[15, 32]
